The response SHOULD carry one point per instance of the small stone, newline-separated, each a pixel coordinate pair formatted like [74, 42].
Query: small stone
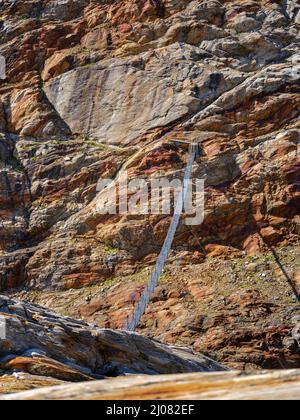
[290, 343]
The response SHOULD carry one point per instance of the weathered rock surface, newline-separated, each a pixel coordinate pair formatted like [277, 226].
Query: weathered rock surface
[280, 385]
[39, 342]
[96, 87]
[101, 100]
[239, 310]
[20, 381]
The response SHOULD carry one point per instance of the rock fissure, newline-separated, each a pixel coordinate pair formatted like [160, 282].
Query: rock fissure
[93, 90]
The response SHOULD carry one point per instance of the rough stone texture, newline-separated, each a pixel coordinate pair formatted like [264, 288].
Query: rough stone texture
[42, 343]
[239, 310]
[96, 87]
[101, 100]
[19, 382]
[284, 385]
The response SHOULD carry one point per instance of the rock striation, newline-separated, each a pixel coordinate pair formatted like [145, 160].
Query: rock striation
[95, 88]
[284, 385]
[40, 343]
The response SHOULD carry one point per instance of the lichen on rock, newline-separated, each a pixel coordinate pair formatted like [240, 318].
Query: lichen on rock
[96, 88]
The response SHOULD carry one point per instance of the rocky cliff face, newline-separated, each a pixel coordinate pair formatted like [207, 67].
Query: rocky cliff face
[40, 343]
[278, 385]
[94, 87]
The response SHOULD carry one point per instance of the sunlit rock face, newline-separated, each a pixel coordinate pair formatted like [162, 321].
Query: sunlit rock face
[101, 100]
[282, 385]
[97, 88]
[93, 353]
